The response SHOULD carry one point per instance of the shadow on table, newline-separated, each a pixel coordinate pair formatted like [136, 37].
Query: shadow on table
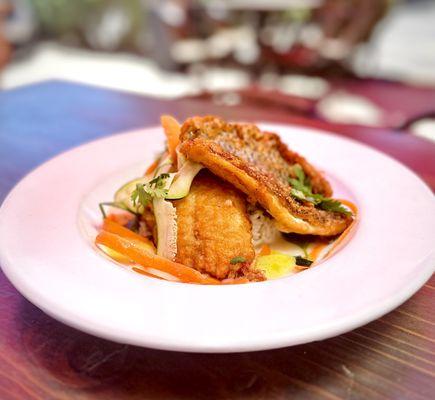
[80, 362]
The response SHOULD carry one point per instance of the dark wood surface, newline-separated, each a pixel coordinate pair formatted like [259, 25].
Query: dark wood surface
[40, 358]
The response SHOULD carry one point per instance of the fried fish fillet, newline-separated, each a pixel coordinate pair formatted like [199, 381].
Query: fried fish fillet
[259, 164]
[214, 228]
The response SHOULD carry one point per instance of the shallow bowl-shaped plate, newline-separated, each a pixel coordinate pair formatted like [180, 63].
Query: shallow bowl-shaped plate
[47, 226]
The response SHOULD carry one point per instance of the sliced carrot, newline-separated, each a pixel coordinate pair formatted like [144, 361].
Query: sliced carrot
[345, 236]
[172, 132]
[138, 252]
[152, 167]
[117, 229]
[317, 249]
[120, 218]
[114, 255]
[144, 272]
[234, 281]
[265, 250]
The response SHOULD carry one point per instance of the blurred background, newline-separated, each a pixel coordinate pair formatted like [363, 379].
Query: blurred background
[366, 62]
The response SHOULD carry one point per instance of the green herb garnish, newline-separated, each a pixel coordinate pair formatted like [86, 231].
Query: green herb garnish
[146, 192]
[302, 190]
[237, 260]
[303, 262]
[333, 205]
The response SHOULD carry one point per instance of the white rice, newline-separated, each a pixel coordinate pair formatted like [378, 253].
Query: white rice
[263, 228]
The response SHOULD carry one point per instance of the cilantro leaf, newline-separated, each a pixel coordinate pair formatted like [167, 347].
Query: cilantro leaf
[299, 172]
[159, 181]
[333, 205]
[146, 192]
[301, 189]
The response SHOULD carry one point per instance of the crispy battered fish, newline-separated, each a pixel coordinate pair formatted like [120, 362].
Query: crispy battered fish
[214, 228]
[259, 164]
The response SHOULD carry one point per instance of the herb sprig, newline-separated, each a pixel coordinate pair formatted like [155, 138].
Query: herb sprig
[237, 260]
[302, 190]
[146, 192]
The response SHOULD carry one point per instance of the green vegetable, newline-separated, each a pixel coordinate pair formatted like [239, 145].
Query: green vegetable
[237, 260]
[301, 187]
[134, 195]
[303, 262]
[302, 190]
[146, 192]
[180, 186]
[123, 195]
[333, 205]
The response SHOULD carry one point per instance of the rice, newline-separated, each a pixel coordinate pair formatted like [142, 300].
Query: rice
[263, 228]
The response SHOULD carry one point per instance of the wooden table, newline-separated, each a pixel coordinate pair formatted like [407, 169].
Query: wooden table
[40, 358]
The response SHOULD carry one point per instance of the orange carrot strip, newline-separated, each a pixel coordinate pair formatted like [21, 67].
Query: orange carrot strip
[345, 236]
[172, 132]
[143, 272]
[114, 255]
[265, 250]
[140, 254]
[317, 248]
[152, 167]
[120, 218]
[122, 259]
[155, 164]
[117, 229]
[234, 281]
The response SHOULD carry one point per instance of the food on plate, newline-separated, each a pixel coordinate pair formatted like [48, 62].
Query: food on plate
[260, 165]
[213, 212]
[224, 203]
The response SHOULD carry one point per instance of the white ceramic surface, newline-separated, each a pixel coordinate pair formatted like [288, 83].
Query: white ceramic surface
[46, 250]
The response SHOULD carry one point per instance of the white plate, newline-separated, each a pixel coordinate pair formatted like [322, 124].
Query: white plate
[46, 250]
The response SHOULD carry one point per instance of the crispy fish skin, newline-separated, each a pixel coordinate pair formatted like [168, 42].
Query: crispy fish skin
[259, 164]
[213, 228]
